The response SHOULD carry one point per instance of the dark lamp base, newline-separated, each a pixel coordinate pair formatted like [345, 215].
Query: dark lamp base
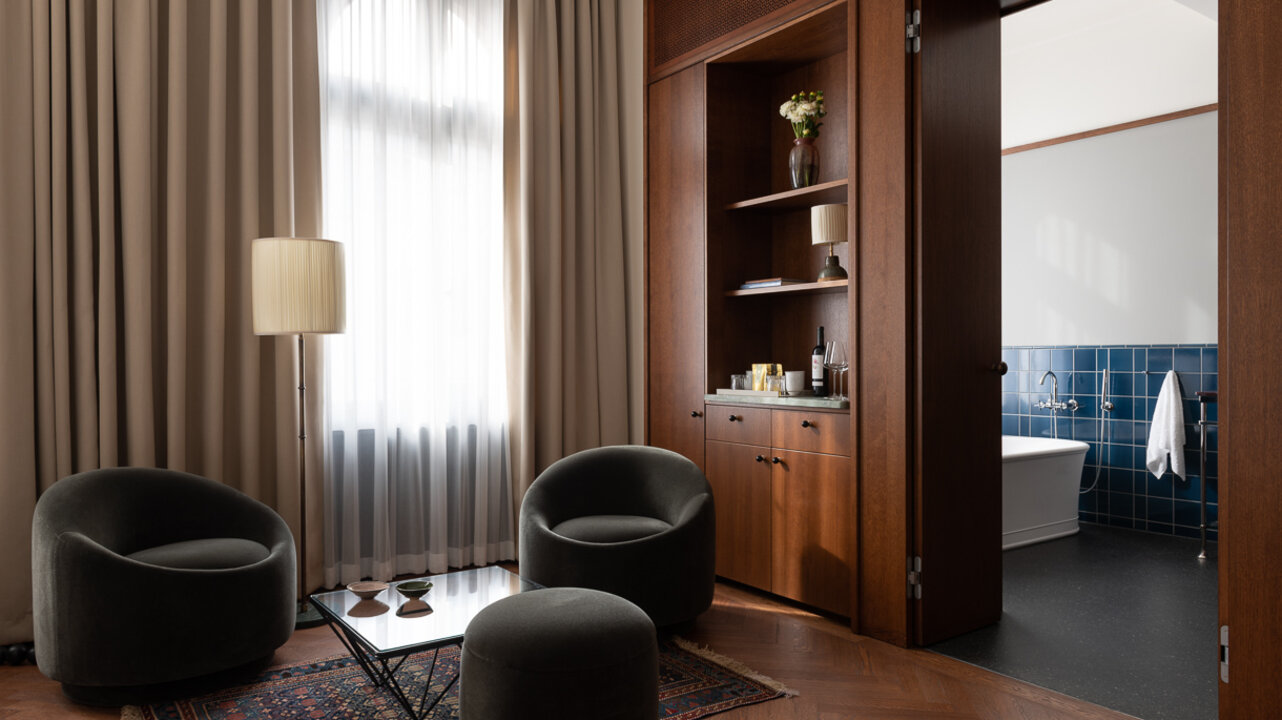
[832, 270]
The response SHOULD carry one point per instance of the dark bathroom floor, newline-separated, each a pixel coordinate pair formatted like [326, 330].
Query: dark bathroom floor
[1120, 618]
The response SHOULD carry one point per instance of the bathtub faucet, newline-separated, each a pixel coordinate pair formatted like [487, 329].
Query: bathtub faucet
[1054, 403]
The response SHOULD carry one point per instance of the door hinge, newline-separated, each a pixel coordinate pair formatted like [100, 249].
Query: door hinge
[1224, 653]
[914, 578]
[913, 32]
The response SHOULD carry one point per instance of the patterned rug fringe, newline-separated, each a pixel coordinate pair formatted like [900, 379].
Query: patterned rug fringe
[730, 663]
[131, 712]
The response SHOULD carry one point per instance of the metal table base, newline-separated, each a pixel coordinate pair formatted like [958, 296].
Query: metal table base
[382, 669]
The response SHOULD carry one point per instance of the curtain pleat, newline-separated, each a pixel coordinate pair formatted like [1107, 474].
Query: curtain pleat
[570, 293]
[146, 144]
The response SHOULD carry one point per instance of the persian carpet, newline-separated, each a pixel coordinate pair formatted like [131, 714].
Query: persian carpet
[694, 682]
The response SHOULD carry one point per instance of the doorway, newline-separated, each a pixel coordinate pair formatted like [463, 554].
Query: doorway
[1109, 284]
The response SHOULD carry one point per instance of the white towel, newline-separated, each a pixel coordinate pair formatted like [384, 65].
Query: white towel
[1167, 433]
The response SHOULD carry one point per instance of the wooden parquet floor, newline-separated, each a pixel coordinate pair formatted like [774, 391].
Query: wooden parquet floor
[839, 675]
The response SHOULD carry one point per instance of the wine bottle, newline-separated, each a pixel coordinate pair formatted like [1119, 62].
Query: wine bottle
[817, 367]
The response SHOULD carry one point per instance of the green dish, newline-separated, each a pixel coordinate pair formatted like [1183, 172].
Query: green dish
[414, 589]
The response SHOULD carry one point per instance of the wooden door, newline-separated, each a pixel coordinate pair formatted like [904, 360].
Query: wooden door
[1250, 343]
[740, 479]
[811, 532]
[957, 248]
[929, 229]
[676, 242]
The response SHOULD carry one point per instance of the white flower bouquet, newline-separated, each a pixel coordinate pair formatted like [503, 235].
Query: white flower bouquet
[803, 110]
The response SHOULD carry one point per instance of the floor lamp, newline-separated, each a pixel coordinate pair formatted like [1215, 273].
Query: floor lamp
[298, 288]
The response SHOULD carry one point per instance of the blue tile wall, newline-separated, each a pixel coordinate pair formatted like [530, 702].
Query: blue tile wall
[1127, 494]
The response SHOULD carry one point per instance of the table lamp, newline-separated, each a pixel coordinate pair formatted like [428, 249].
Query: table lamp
[828, 227]
[298, 287]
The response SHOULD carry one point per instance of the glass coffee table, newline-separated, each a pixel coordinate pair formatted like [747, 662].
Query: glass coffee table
[382, 632]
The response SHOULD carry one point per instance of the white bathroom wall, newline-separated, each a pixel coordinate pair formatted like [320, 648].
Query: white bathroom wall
[1112, 239]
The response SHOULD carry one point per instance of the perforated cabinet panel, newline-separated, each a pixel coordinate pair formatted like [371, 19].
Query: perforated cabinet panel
[683, 25]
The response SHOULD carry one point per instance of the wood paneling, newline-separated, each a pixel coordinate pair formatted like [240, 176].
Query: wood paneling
[805, 39]
[739, 242]
[733, 32]
[748, 425]
[957, 491]
[811, 431]
[885, 360]
[741, 489]
[811, 562]
[1250, 548]
[675, 264]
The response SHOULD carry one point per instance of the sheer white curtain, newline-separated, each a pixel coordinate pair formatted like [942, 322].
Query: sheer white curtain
[416, 478]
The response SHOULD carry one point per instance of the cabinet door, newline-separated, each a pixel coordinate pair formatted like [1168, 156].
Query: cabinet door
[676, 241]
[740, 479]
[812, 537]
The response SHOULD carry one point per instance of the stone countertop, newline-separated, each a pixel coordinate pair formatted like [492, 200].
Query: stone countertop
[804, 401]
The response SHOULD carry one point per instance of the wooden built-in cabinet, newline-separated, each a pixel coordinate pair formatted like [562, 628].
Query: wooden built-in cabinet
[911, 145]
[722, 211]
[781, 480]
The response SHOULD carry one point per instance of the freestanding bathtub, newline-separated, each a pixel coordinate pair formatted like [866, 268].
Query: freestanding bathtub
[1040, 481]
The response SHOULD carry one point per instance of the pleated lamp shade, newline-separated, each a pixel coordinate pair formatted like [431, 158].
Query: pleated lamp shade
[828, 224]
[298, 286]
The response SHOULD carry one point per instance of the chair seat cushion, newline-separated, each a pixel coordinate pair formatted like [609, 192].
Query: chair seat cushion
[204, 554]
[610, 528]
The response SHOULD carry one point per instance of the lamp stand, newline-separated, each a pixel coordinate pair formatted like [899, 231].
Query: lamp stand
[307, 615]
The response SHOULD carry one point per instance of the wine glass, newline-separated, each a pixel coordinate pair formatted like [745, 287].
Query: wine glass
[837, 360]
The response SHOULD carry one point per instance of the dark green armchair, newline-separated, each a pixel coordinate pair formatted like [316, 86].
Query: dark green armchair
[147, 577]
[638, 522]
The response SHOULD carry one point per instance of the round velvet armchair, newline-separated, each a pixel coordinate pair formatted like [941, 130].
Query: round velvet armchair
[634, 521]
[146, 577]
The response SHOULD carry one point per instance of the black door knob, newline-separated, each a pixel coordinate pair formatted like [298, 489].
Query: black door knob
[805, 423]
[761, 458]
[775, 460]
[695, 413]
[1000, 368]
[733, 418]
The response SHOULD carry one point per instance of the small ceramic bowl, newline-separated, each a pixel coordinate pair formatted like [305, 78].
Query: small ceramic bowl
[414, 589]
[367, 589]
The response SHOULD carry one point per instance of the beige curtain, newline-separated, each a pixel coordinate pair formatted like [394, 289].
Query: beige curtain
[569, 227]
[145, 144]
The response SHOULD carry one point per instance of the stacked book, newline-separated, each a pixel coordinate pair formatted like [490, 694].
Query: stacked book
[771, 282]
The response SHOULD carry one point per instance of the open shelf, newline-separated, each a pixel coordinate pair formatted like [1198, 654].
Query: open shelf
[814, 288]
[834, 191]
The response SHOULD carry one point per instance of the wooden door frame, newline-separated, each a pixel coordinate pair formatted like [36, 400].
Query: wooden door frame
[1250, 301]
[884, 380]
